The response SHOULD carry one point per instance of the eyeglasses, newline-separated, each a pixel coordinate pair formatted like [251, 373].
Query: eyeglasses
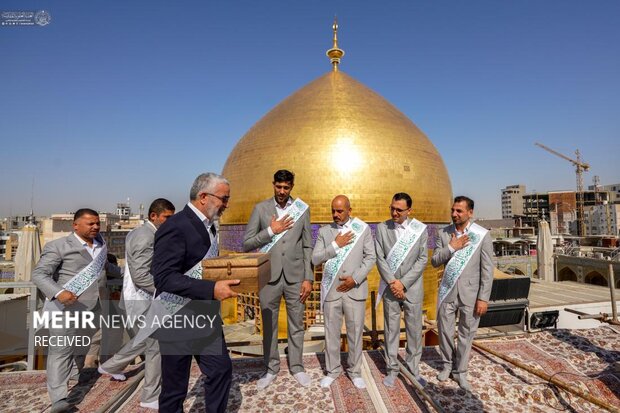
[398, 210]
[224, 199]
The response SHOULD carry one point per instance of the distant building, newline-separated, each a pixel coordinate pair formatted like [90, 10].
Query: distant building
[558, 207]
[56, 226]
[7, 271]
[535, 207]
[109, 221]
[115, 240]
[4, 239]
[603, 219]
[123, 210]
[512, 201]
[61, 225]
[10, 244]
[497, 227]
[613, 189]
[16, 222]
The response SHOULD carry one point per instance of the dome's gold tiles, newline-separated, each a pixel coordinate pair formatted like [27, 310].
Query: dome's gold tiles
[338, 136]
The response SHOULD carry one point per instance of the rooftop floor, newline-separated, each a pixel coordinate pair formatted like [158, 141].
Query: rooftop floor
[545, 294]
[580, 358]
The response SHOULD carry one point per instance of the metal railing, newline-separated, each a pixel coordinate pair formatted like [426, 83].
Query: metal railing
[32, 305]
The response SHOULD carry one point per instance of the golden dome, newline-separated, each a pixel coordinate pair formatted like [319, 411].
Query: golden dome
[339, 137]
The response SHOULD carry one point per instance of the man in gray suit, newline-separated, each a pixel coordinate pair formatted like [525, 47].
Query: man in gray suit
[347, 249]
[291, 273]
[81, 252]
[138, 290]
[405, 286]
[466, 290]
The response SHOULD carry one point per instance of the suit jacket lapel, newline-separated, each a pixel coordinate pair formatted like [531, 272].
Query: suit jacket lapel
[451, 230]
[197, 224]
[150, 227]
[75, 243]
[271, 210]
[391, 235]
[334, 230]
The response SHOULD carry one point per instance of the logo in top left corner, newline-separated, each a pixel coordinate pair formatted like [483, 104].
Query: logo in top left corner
[42, 18]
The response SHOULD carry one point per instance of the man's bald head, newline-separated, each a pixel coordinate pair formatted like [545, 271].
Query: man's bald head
[341, 209]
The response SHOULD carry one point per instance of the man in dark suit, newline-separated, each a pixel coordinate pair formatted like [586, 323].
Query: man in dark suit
[181, 243]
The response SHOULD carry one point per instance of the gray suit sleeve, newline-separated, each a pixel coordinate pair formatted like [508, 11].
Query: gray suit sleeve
[43, 273]
[486, 268]
[381, 250]
[323, 250]
[441, 254]
[255, 236]
[139, 258]
[420, 263]
[306, 242]
[368, 259]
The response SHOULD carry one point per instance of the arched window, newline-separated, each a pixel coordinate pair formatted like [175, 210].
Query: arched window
[566, 274]
[595, 278]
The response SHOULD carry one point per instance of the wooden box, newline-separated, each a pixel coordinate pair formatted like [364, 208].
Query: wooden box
[253, 269]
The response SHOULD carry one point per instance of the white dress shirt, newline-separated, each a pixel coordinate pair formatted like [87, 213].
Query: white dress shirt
[280, 211]
[342, 229]
[202, 217]
[401, 228]
[459, 234]
[93, 250]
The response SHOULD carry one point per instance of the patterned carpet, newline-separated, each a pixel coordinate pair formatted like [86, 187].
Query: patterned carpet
[284, 395]
[27, 391]
[580, 357]
[400, 398]
[498, 386]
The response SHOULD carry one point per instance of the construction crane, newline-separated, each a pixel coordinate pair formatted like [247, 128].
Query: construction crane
[580, 168]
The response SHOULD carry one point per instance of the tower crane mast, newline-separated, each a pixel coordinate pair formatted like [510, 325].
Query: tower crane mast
[580, 168]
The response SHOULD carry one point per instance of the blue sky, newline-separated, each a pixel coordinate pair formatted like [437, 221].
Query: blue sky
[133, 99]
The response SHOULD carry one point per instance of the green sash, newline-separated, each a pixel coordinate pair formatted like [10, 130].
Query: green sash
[332, 266]
[459, 261]
[89, 274]
[294, 211]
[400, 250]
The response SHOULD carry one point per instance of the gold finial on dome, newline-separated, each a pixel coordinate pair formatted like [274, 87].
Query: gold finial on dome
[335, 53]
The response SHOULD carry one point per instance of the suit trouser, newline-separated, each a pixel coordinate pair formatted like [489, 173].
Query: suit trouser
[107, 340]
[413, 328]
[270, 297]
[354, 312]
[175, 372]
[456, 357]
[152, 366]
[61, 358]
